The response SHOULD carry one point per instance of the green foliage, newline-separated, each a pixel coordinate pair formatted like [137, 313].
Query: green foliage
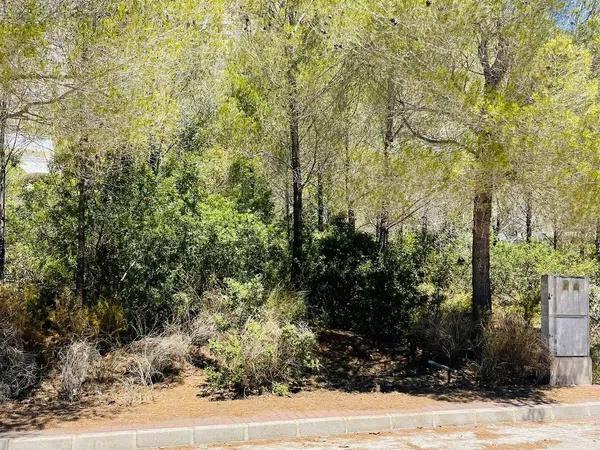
[256, 337]
[263, 354]
[103, 321]
[517, 269]
[148, 237]
[249, 189]
[177, 180]
[354, 287]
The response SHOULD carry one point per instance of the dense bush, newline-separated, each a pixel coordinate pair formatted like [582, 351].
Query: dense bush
[149, 236]
[263, 354]
[258, 340]
[196, 245]
[69, 317]
[353, 286]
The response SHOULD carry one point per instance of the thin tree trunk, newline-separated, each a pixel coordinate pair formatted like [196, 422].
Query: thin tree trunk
[155, 157]
[297, 188]
[400, 233]
[347, 164]
[320, 205]
[497, 226]
[597, 240]
[288, 216]
[80, 270]
[383, 228]
[528, 220]
[555, 237]
[497, 229]
[319, 168]
[494, 74]
[3, 164]
[482, 214]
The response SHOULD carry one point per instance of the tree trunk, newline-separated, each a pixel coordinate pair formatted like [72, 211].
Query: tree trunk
[297, 231]
[424, 227]
[496, 230]
[155, 157]
[3, 165]
[528, 217]
[383, 227]
[347, 164]
[482, 215]
[555, 237]
[597, 240]
[320, 205]
[383, 231]
[80, 270]
[494, 74]
[288, 216]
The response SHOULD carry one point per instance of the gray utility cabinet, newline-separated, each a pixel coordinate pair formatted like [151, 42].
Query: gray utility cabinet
[565, 327]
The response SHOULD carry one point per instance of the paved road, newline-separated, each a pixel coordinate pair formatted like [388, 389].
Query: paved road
[557, 435]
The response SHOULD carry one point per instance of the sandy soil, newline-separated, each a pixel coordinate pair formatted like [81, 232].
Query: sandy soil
[178, 404]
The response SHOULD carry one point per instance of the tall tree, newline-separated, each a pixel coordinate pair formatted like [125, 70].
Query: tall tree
[285, 47]
[31, 78]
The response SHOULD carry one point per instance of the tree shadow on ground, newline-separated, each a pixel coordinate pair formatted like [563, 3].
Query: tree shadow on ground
[27, 415]
[98, 402]
[352, 363]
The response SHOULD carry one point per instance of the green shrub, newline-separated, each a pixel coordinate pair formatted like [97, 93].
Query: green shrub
[352, 286]
[263, 355]
[154, 236]
[256, 337]
[69, 317]
[516, 270]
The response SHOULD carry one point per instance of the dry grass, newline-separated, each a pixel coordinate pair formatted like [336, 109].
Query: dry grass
[513, 352]
[202, 328]
[152, 358]
[18, 369]
[76, 364]
[448, 336]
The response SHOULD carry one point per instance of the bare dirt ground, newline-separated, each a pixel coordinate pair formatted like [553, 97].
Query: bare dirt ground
[357, 378]
[178, 403]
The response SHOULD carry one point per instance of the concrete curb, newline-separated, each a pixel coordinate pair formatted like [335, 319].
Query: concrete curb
[326, 426]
